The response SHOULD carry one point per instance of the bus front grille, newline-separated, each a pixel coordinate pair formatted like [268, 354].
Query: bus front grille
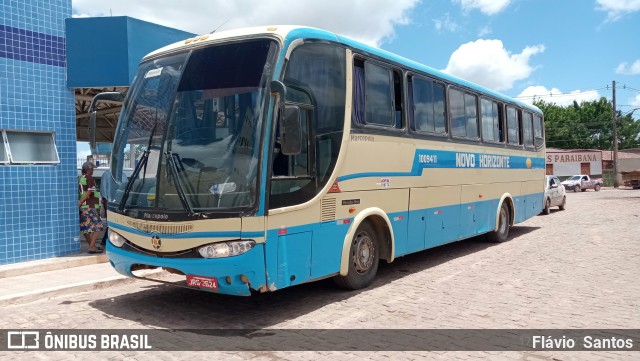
[161, 228]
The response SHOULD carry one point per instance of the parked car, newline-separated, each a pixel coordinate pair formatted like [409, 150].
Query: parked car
[582, 182]
[554, 194]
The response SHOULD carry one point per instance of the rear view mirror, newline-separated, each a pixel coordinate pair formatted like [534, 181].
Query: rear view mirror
[291, 131]
[110, 96]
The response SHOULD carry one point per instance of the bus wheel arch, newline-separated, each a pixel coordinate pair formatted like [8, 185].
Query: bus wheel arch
[381, 226]
[504, 212]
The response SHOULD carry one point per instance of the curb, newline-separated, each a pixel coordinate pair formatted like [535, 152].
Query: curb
[50, 264]
[48, 293]
[37, 295]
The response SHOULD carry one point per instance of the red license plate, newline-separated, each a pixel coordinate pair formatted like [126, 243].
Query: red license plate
[202, 282]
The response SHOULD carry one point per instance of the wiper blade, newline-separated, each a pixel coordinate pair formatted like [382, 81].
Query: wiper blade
[143, 163]
[176, 179]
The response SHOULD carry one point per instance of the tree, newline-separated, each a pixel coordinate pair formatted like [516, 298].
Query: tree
[587, 125]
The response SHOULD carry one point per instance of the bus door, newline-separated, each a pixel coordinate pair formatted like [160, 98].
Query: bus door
[290, 231]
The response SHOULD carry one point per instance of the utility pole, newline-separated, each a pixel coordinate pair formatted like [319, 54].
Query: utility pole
[615, 138]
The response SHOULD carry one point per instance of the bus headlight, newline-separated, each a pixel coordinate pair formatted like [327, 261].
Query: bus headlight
[226, 249]
[115, 239]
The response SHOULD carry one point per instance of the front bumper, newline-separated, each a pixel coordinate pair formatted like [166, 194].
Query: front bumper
[251, 265]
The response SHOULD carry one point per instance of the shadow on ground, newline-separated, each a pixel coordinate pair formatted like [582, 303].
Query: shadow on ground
[163, 306]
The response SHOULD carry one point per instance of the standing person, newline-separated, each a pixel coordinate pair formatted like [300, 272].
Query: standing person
[89, 202]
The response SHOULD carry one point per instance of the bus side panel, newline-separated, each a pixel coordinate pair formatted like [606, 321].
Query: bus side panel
[479, 207]
[470, 210]
[519, 203]
[294, 258]
[290, 237]
[327, 248]
[441, 210]
[417, 219]
[535, 195]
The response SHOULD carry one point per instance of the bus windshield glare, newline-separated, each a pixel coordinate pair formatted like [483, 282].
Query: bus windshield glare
[191, 127]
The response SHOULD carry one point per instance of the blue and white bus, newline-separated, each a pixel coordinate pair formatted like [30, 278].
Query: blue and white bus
[274, 156]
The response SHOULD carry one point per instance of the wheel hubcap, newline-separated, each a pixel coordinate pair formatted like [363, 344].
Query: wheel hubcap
[363, 253]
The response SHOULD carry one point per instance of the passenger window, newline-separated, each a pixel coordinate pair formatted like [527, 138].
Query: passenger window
[527, 129]
[464, 117]
[491, 121]
[427, 109]
[377, 95]
[513, 126]
[538, 140]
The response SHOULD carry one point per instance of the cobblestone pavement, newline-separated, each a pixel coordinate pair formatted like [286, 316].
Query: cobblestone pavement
[576, 268]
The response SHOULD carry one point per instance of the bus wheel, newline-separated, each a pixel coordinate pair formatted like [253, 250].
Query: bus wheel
[502, 233]
[363, 259]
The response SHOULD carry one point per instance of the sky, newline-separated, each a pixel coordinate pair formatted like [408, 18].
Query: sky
[559, 51]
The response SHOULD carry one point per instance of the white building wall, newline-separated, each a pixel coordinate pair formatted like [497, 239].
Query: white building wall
[569, 163]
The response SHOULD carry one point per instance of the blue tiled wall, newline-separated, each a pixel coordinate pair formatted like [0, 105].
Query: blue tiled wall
[38, 213]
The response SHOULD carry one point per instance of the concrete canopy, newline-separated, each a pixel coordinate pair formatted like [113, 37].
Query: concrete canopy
[103, 55]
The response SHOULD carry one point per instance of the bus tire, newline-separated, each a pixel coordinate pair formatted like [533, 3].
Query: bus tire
[502, 233]
[364, 256]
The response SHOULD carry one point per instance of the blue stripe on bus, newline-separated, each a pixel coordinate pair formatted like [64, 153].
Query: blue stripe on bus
[313, 251]
[436, 159]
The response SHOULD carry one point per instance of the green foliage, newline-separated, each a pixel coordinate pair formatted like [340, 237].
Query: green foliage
[587, 125]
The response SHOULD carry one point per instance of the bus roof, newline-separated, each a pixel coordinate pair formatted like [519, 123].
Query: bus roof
[289, 33]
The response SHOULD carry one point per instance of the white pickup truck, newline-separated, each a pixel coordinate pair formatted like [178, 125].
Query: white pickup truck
[582, 182]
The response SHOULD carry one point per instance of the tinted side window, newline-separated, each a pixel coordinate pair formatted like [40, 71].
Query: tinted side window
[491, 121]
[513, 126]
[538, 139]
[378, 100]
[427, 107]
[527, 129]
[464, 117]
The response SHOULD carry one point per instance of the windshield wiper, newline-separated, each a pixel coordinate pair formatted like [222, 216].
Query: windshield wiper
[142, 163]
[176, 179]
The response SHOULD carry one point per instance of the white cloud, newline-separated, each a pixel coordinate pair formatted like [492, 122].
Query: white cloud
[626, 69]
[618, 8]
[370, 21]
[488, 63]
[489, 7]
[554, 95]
[484, 31]
[445, 23]
[635, 102]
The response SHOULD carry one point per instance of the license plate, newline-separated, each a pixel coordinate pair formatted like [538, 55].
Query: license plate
[202, 282]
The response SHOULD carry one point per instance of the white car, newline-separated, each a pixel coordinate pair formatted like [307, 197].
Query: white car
[554, 194]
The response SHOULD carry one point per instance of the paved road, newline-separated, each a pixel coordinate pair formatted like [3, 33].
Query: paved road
[572, 269]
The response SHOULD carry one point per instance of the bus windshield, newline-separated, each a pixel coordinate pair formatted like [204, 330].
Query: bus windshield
[191, 127]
